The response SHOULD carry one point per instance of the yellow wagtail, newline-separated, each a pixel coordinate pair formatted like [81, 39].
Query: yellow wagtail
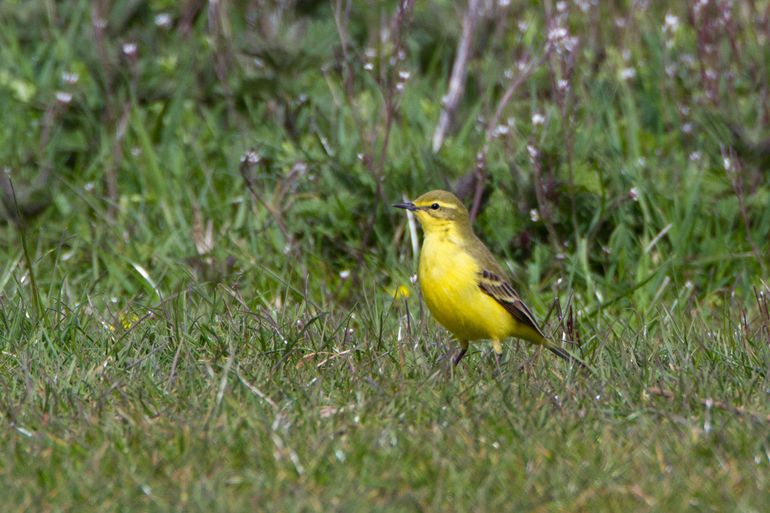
[463, 285]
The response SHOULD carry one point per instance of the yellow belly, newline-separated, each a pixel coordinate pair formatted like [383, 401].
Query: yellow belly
[449, 283]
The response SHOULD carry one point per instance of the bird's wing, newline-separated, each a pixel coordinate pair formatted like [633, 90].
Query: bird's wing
[502, 292]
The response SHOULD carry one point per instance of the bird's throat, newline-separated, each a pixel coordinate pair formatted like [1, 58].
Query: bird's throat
[447, 231]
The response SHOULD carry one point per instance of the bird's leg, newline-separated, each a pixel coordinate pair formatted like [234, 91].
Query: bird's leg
[498, 351]
[463, 350]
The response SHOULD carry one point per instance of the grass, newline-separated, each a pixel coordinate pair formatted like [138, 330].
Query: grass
[186, 325]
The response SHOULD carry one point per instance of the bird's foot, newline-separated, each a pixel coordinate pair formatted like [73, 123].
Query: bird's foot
[459, 356]
[497, 372]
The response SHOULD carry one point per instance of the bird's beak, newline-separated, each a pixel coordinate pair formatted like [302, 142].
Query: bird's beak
[408, 205]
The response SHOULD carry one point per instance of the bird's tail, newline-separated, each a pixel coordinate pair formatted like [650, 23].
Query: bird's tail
[561, 353]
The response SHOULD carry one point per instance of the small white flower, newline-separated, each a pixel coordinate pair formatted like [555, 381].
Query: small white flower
[251, 157]
[560, 39]
[70, 78]
[63, 97]
[671, 23]
[163, 20]
[129, 49]
[368, 66]
[534, 215]
[345, 274]
[627, 73]
[633, 194]
[557, 33]
[500, 130]
[538, 119]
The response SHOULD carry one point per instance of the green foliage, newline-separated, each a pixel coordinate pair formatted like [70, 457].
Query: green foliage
[186, 325]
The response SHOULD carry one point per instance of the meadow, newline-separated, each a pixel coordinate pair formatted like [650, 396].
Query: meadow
[207, 301]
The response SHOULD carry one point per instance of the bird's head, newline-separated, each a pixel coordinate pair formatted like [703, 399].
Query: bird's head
[438, 210]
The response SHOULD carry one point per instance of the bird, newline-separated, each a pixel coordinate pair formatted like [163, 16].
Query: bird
[462, 284]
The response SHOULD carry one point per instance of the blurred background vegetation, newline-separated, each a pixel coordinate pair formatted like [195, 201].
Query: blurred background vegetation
[188, 181]
[628, 124]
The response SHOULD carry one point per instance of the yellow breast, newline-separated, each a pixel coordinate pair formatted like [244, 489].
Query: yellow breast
[449, 283]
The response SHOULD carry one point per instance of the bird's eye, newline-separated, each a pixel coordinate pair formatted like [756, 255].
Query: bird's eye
[434, 206]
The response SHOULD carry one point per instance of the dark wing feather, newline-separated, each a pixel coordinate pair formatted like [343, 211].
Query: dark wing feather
[502, 292]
